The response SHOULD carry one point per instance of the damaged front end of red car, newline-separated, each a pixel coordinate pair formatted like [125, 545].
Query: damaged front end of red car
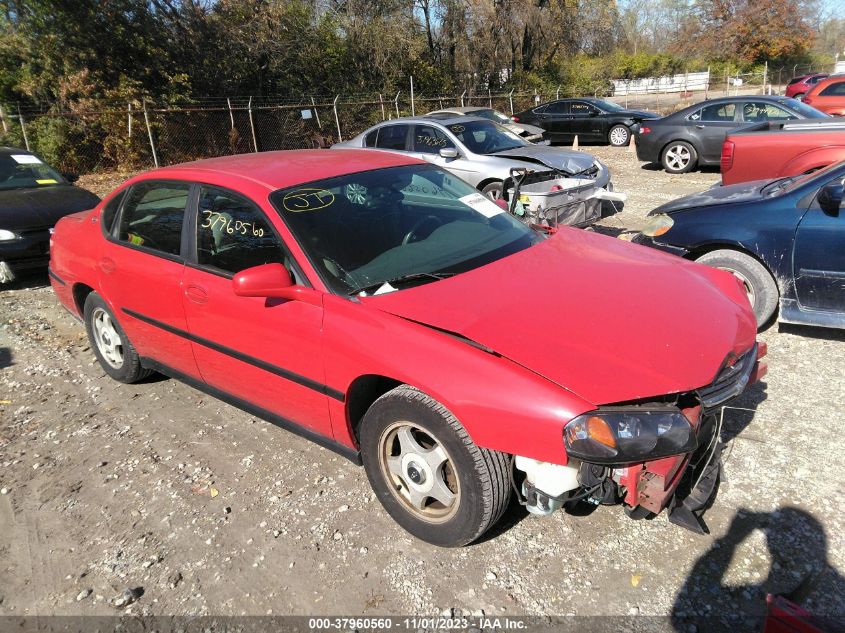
[650, 456]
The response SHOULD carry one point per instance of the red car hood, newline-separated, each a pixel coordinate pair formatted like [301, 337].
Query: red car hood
[605, 319]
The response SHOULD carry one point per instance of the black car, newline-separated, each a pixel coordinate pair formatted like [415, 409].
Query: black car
[588, 119]
[784, 239]
[33, 197]
[694, 136]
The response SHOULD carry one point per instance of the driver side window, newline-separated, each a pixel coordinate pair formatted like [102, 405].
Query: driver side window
[233, 234]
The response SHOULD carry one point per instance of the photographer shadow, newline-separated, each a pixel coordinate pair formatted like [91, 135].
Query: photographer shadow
[799, 571]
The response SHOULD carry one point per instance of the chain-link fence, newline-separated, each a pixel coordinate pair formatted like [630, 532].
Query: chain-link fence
[140, 135]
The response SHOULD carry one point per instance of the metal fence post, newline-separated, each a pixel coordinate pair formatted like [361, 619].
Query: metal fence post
[252, 125]
[396, 103]
[381, 103]
[23, 130]
[765, 76]
[150, 134]
[413, 110]
[3, 120]
[510, 98]
[557, 93]
[462, 98]
[316, 114]
[129, 118]
[337, 119]
[490, 98]
[231, 114]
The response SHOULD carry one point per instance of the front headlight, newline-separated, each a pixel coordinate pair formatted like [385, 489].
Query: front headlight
[658, 225]
[626, 436]
[6, 236]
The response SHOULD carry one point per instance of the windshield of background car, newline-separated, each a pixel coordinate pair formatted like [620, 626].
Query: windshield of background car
[19, 171]
[485, 137]
[492, 115]
[362, 229]
[808, 112]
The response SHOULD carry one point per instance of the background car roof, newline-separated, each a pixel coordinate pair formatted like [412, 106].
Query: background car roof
[278, 170]
[737, 99]
[6, 150]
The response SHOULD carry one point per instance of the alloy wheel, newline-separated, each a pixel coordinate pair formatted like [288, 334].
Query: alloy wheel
[107, 338]
[678, 157]
[419, 471]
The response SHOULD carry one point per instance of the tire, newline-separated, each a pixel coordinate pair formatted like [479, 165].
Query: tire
[415, 453]
[493, 190]
[111, 346]
[619, 136]
[759, 283]
[678, 157]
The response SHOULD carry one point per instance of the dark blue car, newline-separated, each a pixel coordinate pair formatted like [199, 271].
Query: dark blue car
[784, 240]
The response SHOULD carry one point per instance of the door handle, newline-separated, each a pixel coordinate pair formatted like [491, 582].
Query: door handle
[107, 265]
[700, 127]
[196, 294]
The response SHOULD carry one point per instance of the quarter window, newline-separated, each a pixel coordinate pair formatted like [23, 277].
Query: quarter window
[110, 211]
[392, 137]
[233, 234]
[429, 139]
[370, 139]
[153, 214]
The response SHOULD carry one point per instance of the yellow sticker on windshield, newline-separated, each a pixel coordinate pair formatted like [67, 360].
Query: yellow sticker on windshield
[307, 199]
[47, 181]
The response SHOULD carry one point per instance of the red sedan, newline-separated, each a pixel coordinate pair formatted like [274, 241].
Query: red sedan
[799, 86]
[382, 308]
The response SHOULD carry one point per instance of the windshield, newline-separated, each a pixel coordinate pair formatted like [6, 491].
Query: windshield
[808, 112]
[361, 230]
[485, 137]
[492, 115]
[20, 171]
[608, 106]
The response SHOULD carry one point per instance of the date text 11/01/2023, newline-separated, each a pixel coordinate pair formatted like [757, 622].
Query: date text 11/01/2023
[415, 623]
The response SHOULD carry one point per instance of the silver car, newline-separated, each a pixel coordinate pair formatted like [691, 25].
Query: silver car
[483, 153]
[530, 133]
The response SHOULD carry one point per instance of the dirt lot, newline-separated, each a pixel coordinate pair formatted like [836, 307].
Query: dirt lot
[107, 487]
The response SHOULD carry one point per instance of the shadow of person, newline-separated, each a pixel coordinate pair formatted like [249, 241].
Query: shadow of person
[799, 571]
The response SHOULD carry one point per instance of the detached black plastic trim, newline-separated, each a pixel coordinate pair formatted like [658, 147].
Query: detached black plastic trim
[58, 279]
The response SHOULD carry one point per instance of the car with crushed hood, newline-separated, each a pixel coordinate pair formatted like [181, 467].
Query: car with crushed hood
[530, 133]
[33, 197]
[386, 310]
[483, 153]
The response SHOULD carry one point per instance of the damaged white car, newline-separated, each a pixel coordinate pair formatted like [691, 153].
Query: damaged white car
[558, 186]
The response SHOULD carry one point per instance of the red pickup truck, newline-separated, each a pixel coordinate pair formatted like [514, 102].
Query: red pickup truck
[774, 150]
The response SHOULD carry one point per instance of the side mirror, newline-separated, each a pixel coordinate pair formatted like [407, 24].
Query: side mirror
[830, 198]
[448, 152]
[71, 177]
[272, 281]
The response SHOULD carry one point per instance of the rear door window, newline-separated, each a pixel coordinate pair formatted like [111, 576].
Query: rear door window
[153, 214]
[715, 113]
[393, 137]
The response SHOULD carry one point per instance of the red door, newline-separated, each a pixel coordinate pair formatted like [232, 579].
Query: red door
[266, 352]
[141, 270]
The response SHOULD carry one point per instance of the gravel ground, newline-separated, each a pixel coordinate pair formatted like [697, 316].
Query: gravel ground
[105, 487]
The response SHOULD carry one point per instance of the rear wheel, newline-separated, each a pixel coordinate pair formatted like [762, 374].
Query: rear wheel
[427, 472]
[619, 136]
[759, 285]
[111, 346]
[679, 157]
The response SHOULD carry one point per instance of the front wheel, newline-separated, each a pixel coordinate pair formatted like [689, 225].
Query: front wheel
[427, 472]
[759, 285]
[679, 157]
[493, 190]
[619, 136]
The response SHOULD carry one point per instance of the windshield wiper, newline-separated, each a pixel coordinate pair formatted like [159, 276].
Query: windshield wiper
[399, 280]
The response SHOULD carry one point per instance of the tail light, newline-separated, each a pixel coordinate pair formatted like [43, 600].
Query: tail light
[644, 129]
[727, 156]
[515, 119]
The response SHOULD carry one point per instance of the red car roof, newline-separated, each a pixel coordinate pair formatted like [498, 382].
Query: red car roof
[277, 170]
